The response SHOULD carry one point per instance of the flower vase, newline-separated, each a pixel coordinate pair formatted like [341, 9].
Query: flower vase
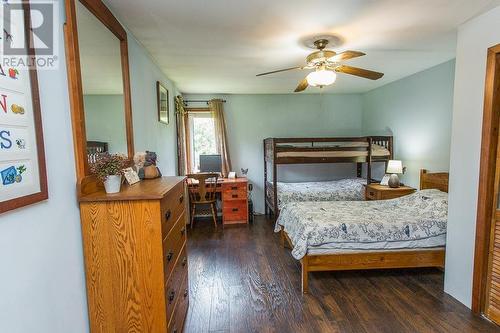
[113, 183]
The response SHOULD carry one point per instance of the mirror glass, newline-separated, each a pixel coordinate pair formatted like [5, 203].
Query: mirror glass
[102, 81]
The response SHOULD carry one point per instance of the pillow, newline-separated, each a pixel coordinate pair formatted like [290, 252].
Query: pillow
[431, 203]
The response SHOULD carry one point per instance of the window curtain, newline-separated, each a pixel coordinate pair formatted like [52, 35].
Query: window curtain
[216, 108]
[180, 116]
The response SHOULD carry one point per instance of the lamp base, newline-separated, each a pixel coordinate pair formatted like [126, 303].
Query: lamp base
[394, 181]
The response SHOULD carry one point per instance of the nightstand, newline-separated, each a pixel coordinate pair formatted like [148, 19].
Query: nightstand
[383, 192]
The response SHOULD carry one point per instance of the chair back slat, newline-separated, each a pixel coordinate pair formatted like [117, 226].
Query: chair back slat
[206, 188]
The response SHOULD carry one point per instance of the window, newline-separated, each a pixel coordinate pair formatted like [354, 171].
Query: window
[201, 137]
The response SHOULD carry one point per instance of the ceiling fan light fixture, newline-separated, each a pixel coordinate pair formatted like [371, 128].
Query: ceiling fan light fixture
[321, 77]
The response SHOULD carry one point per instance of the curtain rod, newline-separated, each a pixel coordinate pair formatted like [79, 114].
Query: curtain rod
[200, 101]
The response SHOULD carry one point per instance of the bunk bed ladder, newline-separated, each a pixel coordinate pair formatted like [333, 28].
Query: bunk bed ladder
[275, 183]
[266, 208]
[369, 162]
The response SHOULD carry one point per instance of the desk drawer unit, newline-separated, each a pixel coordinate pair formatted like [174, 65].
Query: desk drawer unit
[235, 203]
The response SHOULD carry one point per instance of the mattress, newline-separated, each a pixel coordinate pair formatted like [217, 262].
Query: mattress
[333, 248]
[418, 219]
[336, 190]
[377, 151]
[319, 252]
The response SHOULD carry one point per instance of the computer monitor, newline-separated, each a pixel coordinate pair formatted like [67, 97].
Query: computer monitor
[210, 163]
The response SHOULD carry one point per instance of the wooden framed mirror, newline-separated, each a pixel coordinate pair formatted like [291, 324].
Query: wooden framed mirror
[98, 82]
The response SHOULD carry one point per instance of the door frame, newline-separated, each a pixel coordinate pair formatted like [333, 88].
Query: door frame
[489, 143]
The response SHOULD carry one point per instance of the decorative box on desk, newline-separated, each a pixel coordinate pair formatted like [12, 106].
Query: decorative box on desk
[135, 257]
[234, 201]
[383, 192]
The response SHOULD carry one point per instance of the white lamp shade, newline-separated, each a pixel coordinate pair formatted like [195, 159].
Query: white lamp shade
[321, 77]
[394, 166]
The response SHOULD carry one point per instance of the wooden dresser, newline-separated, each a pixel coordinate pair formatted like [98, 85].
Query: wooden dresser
[136, 258]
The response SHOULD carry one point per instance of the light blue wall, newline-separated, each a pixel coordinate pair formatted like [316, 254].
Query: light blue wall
[149, 133]
[42, 282]
[474, 39]
[417, 111]
[252, 118]
[105, 121]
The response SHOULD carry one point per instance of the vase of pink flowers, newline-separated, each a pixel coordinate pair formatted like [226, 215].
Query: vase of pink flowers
[108, 169]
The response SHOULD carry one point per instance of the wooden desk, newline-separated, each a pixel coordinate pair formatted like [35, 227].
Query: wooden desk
[234, 195]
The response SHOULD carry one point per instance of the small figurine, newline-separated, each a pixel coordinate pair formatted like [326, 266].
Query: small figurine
[145, 164]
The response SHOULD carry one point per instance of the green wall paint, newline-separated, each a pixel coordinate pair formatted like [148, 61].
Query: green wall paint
[417, 110]
[252, 118]
[105, 121]
[149, 133]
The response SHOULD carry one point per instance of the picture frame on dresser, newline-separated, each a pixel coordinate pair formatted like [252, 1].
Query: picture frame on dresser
[23, 174]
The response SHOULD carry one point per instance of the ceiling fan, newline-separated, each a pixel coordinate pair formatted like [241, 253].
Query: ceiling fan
[326, 64]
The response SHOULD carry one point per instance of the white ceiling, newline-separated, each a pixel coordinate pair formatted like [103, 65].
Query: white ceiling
[100, 60]
[218, 46]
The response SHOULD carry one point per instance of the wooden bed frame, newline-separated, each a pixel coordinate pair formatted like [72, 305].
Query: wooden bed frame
[94, 148]
[376, 259]
[273, 146]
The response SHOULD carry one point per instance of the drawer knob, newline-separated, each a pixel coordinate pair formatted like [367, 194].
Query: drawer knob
[235, 209]
[171, 296]
[170, 255]
[234, 195]
[184, 262]
[175, 330]
[181, 199]
[183, 230]
[234, 188]
[185, 293]
[168, 213]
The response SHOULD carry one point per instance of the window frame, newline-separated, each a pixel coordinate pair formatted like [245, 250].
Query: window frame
[188, 137]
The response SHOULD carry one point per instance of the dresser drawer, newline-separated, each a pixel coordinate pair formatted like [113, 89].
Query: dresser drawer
[172, 206]
[173, 287]
[236, 210]
[234, 191]
[172, 246]
[372, 194]
[177, 323]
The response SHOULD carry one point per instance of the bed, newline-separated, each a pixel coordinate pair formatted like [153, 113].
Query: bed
[281, 151]
[400, 233]
[350, 189]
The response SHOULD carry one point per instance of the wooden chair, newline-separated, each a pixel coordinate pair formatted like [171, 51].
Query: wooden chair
[203, 193]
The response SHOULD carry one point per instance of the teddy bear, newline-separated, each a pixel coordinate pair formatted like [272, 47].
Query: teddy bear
[145, 164]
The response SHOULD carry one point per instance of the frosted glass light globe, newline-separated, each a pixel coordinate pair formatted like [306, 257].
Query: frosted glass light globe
[321, 77]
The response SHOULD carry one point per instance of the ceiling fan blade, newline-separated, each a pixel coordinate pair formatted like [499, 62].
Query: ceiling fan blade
[346, 55]
[302, 85]
[280, 70]
[365, 73]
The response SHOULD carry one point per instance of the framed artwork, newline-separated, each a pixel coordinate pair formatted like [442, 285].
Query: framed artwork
[23, 177]
[162, 99]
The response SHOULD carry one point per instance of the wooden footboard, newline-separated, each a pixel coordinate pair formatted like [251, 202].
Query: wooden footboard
[384, 259]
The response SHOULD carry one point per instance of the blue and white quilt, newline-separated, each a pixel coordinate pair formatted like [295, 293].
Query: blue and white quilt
[416, 216]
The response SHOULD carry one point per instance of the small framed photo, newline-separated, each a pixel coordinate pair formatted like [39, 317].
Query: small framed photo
[162, 100]
[131, 176]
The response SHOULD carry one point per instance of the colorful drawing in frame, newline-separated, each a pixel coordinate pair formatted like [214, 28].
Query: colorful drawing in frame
[23, 177]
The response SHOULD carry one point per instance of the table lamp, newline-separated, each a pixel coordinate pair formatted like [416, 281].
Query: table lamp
[394, 167]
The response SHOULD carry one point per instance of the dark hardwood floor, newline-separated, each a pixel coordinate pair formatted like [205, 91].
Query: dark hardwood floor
[241, 280]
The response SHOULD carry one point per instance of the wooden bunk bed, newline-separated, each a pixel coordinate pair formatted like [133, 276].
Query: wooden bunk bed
[381, 259]
[281, 151]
